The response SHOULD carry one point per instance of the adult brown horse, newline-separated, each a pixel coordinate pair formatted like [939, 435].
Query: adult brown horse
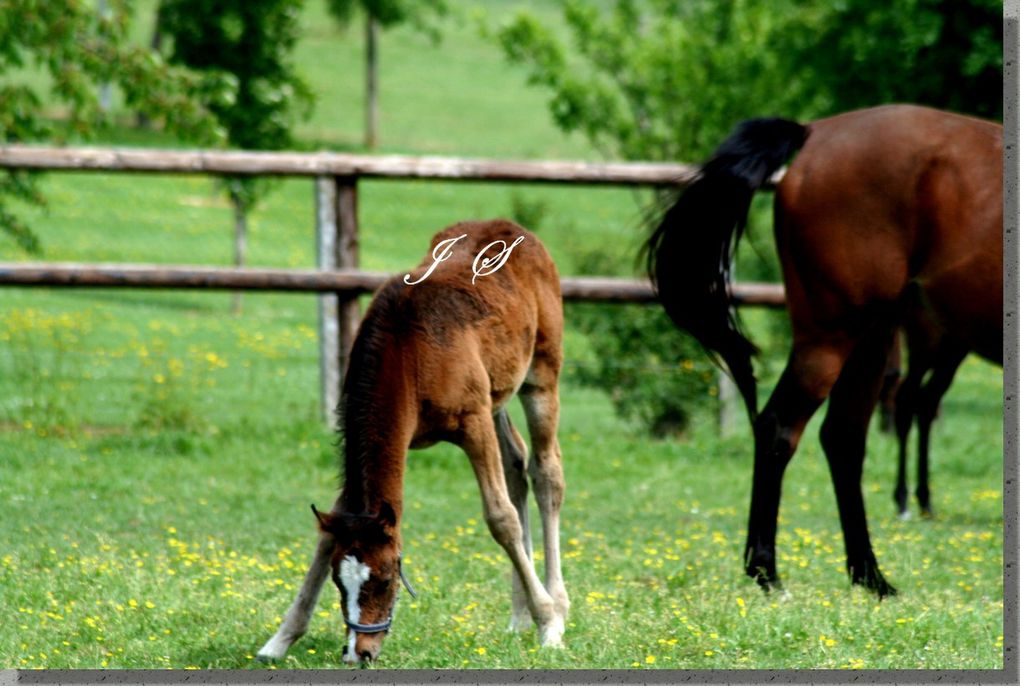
[884, 213]
[437, 357]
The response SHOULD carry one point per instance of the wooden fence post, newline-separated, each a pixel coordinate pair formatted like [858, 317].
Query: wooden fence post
[329, 337]
[348, 311]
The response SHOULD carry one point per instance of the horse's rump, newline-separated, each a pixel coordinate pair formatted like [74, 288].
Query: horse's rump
[896, 207]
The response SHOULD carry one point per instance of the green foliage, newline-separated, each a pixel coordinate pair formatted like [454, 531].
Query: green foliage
[527, 210]
[389, 13]
[661, 79]
[248, 45]
[78, 50]
[653, 375]
[944, 53]
[655, 79]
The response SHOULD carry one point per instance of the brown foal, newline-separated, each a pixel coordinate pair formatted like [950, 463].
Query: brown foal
[438, 355]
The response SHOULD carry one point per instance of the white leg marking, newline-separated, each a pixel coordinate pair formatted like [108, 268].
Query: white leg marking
[275, 648]
[352, 575]
[295, 623]
[551, 635]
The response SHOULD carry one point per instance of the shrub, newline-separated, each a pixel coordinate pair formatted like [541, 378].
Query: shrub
[654, 374]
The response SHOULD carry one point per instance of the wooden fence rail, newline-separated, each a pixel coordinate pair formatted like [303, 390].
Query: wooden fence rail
[250, 163]
[336, 176]
[342, 281]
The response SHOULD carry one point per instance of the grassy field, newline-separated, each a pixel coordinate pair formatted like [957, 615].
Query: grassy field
[158, 455]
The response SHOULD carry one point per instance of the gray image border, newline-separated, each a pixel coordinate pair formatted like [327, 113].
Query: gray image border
[1011, 588]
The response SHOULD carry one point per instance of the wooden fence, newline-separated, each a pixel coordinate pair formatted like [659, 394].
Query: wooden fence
[337, 278]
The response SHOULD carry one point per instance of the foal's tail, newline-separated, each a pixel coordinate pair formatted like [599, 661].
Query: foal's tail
[691, 251]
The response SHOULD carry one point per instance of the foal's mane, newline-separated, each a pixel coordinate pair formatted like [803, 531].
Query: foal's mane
[435, 309]
[362, 385]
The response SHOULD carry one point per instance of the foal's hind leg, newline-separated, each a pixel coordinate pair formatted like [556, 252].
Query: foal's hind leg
[542, 408]
[843, 436]
[295, 622]
[515, 459]
[479, 441]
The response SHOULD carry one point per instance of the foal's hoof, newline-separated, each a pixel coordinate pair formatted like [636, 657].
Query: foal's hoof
[904, 515]
[927, 513]
[551, 635]
[273, 650]
[520, 622]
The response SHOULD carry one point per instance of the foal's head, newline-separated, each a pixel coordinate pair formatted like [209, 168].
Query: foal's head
[366, 570]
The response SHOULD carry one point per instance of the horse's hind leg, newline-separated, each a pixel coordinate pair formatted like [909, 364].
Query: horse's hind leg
[944, 369]
[843, 436]
[542, 409]
[479, 441]
[295, 622]
[891, 380]
[515, 459]
[906, 410]
[804, 384]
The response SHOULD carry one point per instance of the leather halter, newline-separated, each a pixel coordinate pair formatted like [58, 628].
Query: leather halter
[381, 626]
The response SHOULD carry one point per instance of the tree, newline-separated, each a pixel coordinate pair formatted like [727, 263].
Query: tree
[944, 53]
[79, 50]
[385, 14]
[248, 42]
[667, 79]
[656, 79]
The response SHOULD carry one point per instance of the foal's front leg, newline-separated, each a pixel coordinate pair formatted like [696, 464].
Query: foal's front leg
[295, 622]
[482, 447]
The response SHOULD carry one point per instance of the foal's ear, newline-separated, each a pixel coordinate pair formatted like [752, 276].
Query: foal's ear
[325, 520]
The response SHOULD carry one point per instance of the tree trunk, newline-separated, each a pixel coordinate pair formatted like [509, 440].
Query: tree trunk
[155, 44]
[371, 82]
[104, 88]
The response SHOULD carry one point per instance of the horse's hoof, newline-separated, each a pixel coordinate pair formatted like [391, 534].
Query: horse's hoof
[768, 581]
[884, 590]
[904, 515]
[871, 578]
[927, 513]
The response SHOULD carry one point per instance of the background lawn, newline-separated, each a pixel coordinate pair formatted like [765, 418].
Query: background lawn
[158, 454]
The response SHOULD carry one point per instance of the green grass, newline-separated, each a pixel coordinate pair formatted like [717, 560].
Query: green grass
[209, 524]
[158, 455]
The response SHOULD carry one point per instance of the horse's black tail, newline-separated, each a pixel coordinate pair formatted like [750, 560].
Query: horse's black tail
[691, 251]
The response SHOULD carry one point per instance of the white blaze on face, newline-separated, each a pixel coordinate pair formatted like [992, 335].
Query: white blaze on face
[352, 575]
